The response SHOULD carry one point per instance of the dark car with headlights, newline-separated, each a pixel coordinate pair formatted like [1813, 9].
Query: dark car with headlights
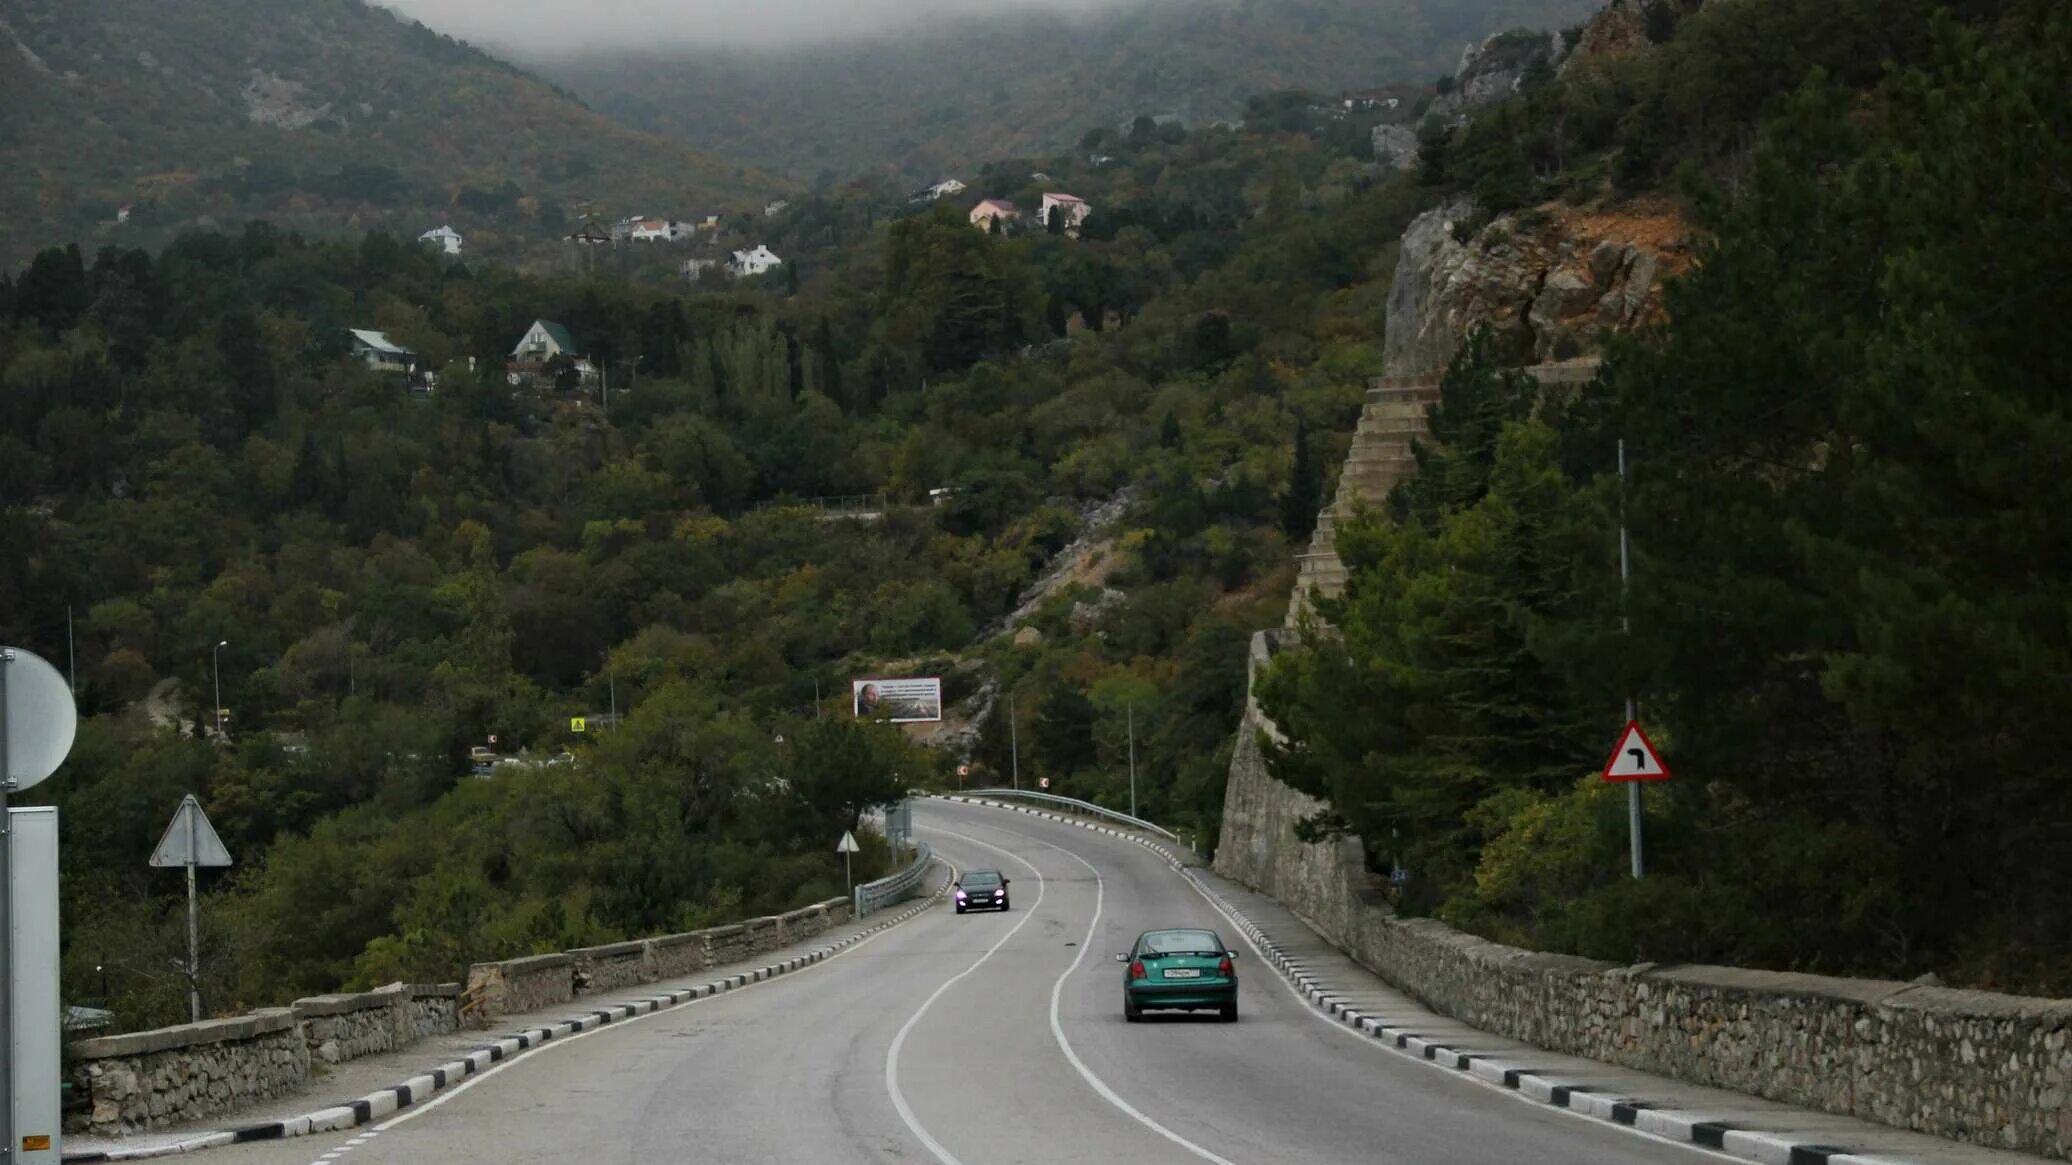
[981, 890]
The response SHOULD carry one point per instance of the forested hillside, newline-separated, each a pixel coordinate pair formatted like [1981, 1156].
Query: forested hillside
[191, 456]
[320, 115]
[1847, 621]
[1846, 507]
[928, 101]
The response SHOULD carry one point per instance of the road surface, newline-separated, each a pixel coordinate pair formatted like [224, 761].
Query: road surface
[982, 1039]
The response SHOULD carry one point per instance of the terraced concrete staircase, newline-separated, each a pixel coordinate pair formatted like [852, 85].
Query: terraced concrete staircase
[1392, 418]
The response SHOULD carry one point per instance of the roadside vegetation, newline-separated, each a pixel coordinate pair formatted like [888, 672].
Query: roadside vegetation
[1847, 625]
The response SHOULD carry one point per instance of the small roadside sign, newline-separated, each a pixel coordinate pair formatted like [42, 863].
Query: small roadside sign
[190, 840]
[1043, 782]
[848, 844]
[963, 770]
[578, 724]
[1635, 758]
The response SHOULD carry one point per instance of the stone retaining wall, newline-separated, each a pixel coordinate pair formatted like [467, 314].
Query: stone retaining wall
[154, 1079]
[345, 1027]
[1968, 1065]
[526, 984]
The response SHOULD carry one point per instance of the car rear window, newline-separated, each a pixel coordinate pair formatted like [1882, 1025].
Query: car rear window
[980, 879]
[1183, 942]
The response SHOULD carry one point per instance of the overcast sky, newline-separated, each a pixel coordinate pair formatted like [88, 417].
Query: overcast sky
[559, 27]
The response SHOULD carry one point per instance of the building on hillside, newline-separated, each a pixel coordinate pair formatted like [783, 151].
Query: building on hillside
[660, 230]
[589, 234]
[776, 208]
[709, 223]
[378, 352]
[994, 210]
[1071, 208]
[756, 262]
[944, 189]
[695, 269]
[443, 237]
[546, 356]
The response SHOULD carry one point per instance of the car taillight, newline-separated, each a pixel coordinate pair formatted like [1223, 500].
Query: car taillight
[1223, 968]
[1137, 969]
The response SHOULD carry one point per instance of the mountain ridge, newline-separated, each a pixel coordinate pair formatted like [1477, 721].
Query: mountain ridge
[972, 91]
[334, 115]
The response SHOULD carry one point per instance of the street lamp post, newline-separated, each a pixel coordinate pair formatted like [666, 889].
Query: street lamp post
[1133, 759]
[216, 666]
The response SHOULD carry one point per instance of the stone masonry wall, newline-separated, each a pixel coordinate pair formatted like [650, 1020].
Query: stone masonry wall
[151, 1079]
[154, 1079]
[1967, 1065]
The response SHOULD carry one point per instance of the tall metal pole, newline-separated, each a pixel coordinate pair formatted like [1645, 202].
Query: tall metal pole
[1133, 759]
[6, 928]
[1014, 745]
[1626, 628]
[216, 666]
[193, 939]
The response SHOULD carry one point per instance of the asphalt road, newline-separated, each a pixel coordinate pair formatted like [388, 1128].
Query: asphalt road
[981, 1039]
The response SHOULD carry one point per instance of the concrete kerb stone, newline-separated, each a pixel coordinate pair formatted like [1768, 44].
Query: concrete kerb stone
[384, 1102]
[1694, 1127]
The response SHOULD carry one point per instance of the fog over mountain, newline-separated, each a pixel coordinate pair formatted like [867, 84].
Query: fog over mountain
[540, 28]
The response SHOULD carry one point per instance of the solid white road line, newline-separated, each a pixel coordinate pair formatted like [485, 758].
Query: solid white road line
[447, 1094]
[1057, 1029]
[899, 1101]
[1303, 1003]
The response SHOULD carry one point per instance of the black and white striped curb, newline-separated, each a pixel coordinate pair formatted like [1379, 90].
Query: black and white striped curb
[1710, 1130]
[384, 1102]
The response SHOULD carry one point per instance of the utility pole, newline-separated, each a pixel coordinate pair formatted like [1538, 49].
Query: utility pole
[7, 1017]
[1014, 746]
[1626, 629]
[1133, 758]
[216, 666]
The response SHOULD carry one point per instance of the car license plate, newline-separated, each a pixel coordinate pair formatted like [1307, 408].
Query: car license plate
[1183, 973]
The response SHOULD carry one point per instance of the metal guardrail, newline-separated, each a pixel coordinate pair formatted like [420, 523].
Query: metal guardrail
[1075, 805]
[873, 896]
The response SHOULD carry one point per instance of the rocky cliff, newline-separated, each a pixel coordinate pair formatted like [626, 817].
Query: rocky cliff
[1550, 282]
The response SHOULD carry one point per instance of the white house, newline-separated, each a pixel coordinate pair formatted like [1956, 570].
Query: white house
[1073, 208]
[776, 208]
[444, 237]
[946, 187]
[659, 230]
[695, 269]
[755, 262]
[377, 351]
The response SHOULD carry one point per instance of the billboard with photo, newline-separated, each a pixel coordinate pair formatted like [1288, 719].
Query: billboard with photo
[916, 700]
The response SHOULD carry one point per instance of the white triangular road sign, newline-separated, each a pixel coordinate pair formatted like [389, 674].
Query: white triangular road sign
[1635, 758]
[190, 840]
[848, 845]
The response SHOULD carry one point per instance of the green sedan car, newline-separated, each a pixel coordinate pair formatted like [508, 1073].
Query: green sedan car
[1179, 970]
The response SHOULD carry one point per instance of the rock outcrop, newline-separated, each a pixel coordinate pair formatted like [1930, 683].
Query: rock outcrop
[1494, 70]
[1550, 282]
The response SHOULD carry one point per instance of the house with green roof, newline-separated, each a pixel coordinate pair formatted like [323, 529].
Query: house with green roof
[543, 353]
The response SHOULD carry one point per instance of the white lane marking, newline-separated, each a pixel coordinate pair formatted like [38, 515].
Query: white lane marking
[899, 1101]
[1386, 1046]
[1057, 1029]
[860, 940]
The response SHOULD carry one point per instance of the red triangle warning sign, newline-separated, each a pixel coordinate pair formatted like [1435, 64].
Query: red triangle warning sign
[1635, 758]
